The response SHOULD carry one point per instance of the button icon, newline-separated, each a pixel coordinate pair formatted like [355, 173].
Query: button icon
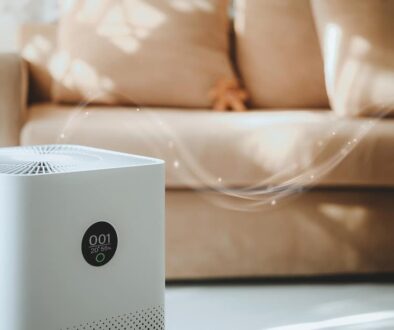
[100, 257]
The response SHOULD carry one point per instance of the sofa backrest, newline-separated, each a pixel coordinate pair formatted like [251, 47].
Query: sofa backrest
[37, 44]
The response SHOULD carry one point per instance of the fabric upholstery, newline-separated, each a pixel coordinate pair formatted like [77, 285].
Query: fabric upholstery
[357, 38]
[144, 52]
[322, 232]
[208, 149]
[278, 53]
[13, 89]
[37, 44]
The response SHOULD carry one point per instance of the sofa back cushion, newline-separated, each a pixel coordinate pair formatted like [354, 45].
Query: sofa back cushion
[278, 53]
[145, 52]
[357, 38]
[37, 43]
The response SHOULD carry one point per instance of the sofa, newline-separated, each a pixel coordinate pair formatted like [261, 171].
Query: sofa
[275, 191]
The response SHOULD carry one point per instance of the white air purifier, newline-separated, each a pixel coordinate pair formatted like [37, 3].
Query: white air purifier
[81, 239]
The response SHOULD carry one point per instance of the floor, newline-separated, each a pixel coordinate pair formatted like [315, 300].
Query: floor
[274, 306]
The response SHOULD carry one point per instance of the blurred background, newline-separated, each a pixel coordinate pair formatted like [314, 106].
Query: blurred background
[274, 118]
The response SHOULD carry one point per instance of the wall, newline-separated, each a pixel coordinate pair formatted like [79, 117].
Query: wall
[16, 12]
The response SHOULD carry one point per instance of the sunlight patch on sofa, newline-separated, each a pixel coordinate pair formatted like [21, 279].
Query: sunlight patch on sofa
[191, 5]
[332, 41]
[36, 47]
[355, 215]
[126, 28]
[65, 70]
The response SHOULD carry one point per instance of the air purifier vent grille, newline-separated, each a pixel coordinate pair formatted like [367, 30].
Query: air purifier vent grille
[50, 159]
[45, 159]
[148, 319]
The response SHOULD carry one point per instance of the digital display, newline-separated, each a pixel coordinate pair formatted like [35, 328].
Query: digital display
[99, 243]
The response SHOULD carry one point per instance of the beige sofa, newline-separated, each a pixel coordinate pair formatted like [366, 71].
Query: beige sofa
[263, 193]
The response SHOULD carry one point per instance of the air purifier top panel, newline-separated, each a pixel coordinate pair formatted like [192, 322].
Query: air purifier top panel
[52, 159]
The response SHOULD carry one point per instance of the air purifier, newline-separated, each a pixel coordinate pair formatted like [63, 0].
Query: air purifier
[81, 239]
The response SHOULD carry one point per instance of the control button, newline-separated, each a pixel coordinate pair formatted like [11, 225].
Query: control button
[100, 257]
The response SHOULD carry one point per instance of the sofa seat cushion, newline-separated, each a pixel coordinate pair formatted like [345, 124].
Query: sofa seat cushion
[205, 149]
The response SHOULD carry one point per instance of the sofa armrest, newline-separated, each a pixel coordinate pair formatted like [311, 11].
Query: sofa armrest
[13, 98]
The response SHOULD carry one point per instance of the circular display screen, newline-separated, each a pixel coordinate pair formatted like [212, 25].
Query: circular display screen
[99, 243]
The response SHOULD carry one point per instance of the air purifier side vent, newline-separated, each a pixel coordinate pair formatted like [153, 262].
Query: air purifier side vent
[148, 319]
